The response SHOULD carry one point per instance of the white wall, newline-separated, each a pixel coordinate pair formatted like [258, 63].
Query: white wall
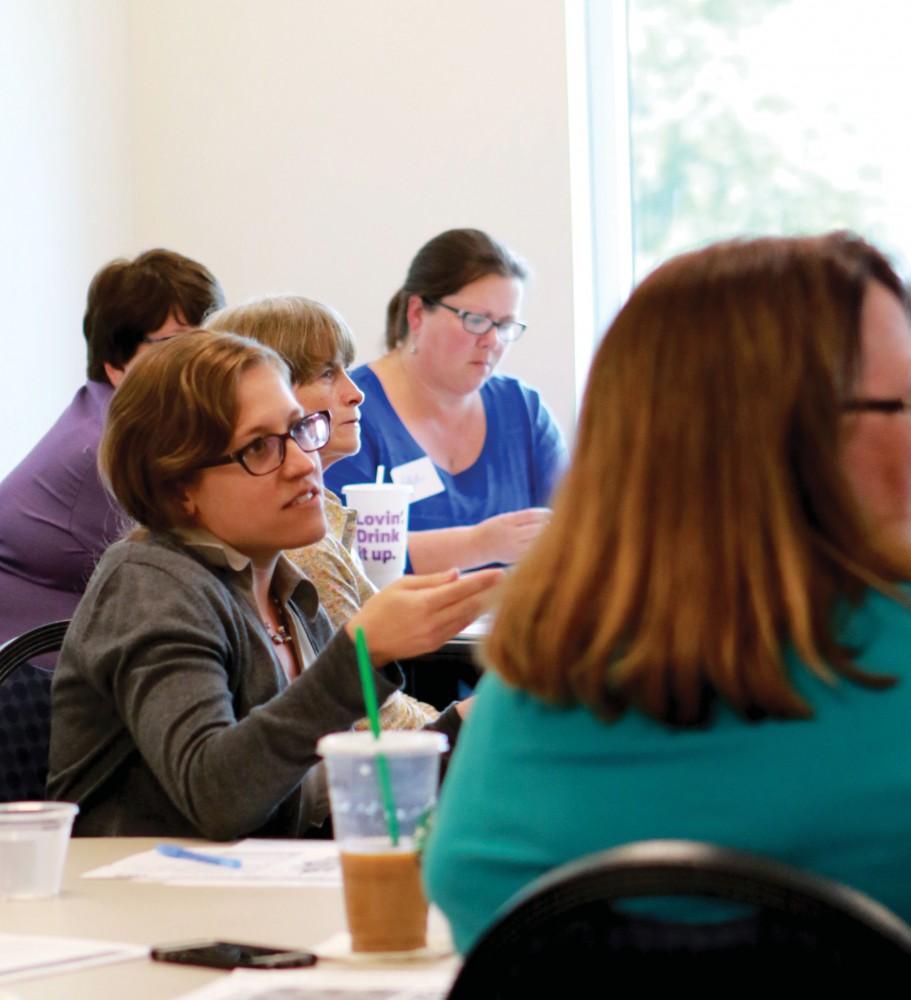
[300, 145]
[290, 145]
[65, 195]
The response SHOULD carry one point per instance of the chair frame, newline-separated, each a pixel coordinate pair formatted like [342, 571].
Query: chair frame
[683, 868]
[42, 639]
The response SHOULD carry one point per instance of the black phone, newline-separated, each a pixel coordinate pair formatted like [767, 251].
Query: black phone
[230, 955]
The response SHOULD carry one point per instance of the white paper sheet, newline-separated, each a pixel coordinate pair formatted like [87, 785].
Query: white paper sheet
[478, 629]
[328, 982]
[312, 863]
[26, 956]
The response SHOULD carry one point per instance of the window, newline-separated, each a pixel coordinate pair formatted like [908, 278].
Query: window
[766, 116]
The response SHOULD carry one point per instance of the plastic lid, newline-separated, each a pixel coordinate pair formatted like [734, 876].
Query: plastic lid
[36, 812]
[393, 743]
[379, 487]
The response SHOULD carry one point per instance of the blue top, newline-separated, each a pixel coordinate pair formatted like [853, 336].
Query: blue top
[520, 462]
[532, 786]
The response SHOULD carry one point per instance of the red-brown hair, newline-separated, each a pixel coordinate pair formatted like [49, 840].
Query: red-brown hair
[175, 409]
[128, 299]
[705, 522]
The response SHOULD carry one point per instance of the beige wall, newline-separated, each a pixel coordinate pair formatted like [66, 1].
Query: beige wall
[66, 202]
[292, 145]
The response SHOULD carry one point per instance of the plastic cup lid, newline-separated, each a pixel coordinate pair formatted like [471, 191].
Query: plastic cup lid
[379, 487]
[36, 812]
[393, 743]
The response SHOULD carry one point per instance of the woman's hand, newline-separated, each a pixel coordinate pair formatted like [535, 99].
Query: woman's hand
[505, 538]
[417, 614]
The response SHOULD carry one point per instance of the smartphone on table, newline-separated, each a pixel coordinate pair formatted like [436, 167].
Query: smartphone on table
[231, 955]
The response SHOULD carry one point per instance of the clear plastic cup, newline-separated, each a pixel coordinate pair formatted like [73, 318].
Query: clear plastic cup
[34, 837]
[381, 537]
[384, 901]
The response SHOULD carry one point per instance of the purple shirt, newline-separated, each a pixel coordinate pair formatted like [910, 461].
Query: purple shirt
[55, 518]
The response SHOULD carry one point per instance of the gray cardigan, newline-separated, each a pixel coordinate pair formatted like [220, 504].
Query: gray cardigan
[171, 714]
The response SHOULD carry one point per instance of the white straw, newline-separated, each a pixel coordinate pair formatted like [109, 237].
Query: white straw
[380, 472]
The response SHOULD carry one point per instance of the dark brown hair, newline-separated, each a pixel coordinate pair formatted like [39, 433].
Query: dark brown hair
[445, 264]
[306, 333]
[174, 410]
[705, 523]
[129, 299]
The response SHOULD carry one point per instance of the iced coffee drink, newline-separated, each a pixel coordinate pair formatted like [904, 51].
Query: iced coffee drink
[384, 901]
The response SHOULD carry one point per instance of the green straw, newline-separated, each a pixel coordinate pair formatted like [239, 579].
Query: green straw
[373, 717]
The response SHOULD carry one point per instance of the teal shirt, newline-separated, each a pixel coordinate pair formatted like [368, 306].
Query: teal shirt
[532, 786]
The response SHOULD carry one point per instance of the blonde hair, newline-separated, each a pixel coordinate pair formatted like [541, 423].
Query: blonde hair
[175, 409]
[705, 522]
[306, 333]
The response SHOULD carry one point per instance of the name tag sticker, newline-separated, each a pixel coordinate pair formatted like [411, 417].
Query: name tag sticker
[421, 475]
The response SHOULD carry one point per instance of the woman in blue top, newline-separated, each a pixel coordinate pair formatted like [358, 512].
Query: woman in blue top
[481, 450]
[711, 640]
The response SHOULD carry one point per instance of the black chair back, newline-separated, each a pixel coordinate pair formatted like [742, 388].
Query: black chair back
[25, 712]
[565, 933]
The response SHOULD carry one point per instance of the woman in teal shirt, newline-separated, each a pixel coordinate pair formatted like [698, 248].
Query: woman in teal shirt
[710, 640]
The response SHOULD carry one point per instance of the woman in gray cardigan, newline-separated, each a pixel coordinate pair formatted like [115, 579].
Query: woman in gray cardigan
[199, 670]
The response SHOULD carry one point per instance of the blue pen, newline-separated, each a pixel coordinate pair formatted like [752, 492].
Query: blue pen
[173, 851]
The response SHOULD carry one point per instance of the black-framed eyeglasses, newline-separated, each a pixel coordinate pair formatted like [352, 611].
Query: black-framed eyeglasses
[508, 330]
[878, 406]
[267, 453]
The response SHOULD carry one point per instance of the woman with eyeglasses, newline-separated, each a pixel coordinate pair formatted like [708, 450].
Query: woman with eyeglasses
[319, 348]
[712, 639]
[481, 450]
[199, 670]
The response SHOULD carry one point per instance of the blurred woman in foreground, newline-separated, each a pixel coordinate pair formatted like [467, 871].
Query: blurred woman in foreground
[199, 669]
[710, 641]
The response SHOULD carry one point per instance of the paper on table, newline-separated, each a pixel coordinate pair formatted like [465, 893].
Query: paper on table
[332, 979]
[263, 863]
[478, 629]
[24, 956]
[439, 946]
[326, 983]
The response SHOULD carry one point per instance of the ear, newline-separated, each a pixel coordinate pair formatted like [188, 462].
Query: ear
[414, 312]
[115, 375]
[186, 500]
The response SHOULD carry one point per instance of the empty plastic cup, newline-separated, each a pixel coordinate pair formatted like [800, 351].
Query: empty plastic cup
[33, 840]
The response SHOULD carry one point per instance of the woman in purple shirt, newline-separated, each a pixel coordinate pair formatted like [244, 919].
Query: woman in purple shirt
[55, 516]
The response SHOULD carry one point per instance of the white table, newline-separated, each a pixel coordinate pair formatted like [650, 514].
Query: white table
[145, 913]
